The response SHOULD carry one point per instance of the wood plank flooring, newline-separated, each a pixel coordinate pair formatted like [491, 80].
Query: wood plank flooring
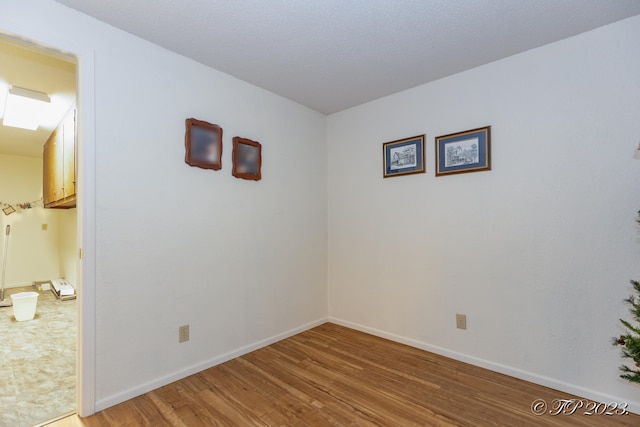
[335, 376]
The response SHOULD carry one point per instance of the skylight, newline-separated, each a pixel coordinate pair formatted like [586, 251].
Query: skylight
[25, 108]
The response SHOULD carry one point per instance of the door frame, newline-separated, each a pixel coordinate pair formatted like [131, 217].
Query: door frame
[86, 202]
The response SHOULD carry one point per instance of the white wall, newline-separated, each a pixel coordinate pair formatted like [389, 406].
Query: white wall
[241, 262]
[33, 252]
[537, 252]
[68, 244]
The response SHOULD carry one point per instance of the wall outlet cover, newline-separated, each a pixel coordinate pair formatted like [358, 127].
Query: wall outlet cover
[461, 321]
[183, 333]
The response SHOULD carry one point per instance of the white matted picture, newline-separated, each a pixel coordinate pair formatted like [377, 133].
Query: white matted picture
[403, 157]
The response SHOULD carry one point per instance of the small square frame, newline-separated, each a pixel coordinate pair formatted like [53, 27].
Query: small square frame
[203, 144]
[403, 156]
[247, 159]
[463, 152]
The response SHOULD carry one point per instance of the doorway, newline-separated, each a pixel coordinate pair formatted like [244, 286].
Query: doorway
[40, 355]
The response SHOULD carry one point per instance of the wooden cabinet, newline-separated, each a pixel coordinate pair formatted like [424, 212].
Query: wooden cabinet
[60, 166]
[52, 175]
[69, 156]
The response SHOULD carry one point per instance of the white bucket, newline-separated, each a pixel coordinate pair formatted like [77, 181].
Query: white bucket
[24, 305]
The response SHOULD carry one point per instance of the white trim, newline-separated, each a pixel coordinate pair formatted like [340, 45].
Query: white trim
[168, 379]
[492, 366]
[86, 393]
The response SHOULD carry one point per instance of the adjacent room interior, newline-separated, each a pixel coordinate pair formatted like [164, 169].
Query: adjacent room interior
[315, 260]
[39, 224]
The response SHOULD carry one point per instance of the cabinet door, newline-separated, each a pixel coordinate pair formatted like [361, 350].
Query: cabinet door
[69, 152]
[52, 173]
[48, 189]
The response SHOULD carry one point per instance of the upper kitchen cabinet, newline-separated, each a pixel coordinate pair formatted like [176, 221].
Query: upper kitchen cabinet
[60, 165]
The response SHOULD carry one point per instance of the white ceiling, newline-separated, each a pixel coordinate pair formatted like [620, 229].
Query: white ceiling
[40, 70]
[334, 54]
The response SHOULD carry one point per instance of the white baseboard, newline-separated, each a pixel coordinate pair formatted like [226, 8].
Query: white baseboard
[18, 285]
[168, 379]
[492, 366]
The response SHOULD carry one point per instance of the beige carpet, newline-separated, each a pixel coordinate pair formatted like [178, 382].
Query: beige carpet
[37, 362]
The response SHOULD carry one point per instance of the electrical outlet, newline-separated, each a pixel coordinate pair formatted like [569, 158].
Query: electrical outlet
[461, 321]
[183, 333]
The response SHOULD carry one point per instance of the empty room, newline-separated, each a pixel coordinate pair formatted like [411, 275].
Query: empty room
[349, 213]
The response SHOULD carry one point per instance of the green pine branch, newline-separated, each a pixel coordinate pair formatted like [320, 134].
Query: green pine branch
[630, 341]
[630, 326]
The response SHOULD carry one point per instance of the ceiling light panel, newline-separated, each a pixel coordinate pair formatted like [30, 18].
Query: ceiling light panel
[25, 108]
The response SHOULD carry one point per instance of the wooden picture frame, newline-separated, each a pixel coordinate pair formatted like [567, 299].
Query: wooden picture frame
[203, 144]
[247, 159]
[403, 157]
[463, 152]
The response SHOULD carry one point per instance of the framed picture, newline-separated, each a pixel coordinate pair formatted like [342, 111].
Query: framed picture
[8, 210]
[203, 144]
[468, 151]
[403, 157]
[247, 159]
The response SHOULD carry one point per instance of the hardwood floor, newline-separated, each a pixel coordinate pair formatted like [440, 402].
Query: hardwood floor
[334, 376]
